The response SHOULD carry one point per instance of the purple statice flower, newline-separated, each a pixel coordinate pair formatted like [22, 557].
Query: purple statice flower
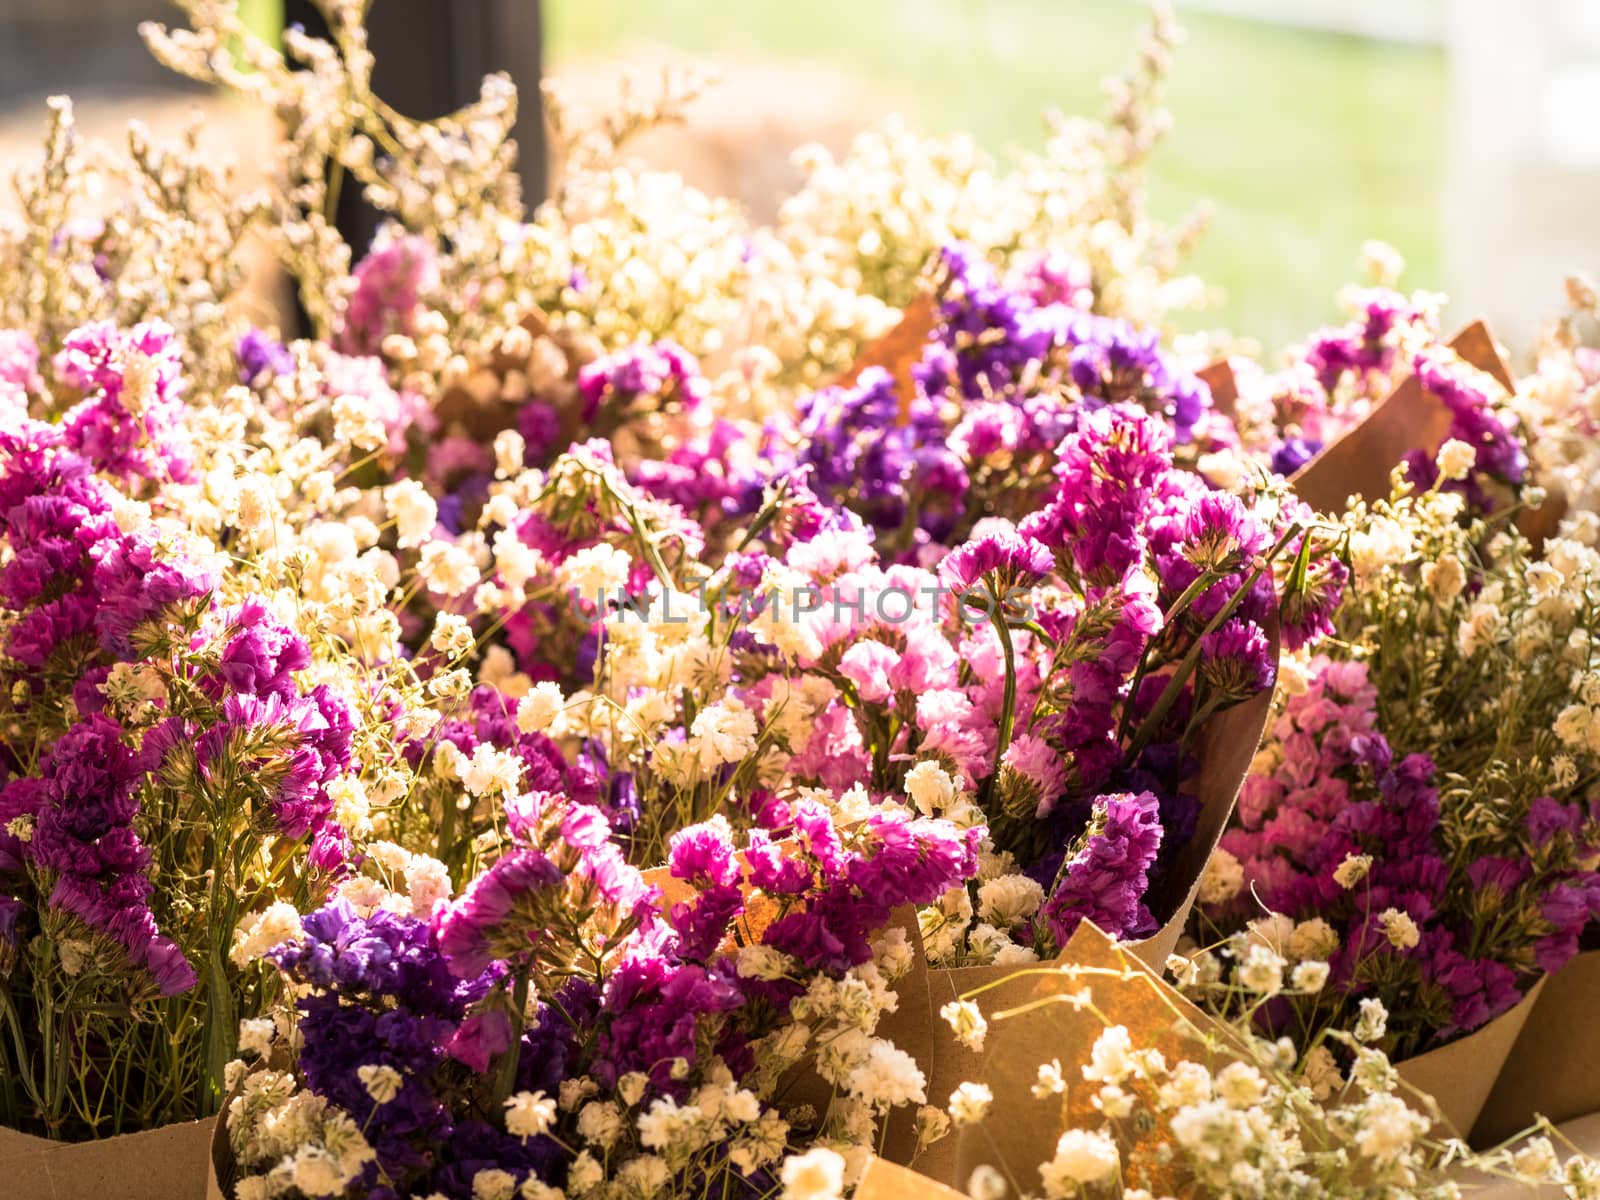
[1337, 790]
[85, 841]
[381, 993]
[1011, 560]
[1057, 278]
[1368, 343]
[1294, 453]
[1474, 419]
[1237, 661]
[261, 358]
[499, 916]
[708, 473]
[1037, 766]
[1108, 472]
[390, 282]
[862, 456]
[1106, 879]
[895, 859]
[540, 426]
[661, 372]
[296, 744]
[994, 340]
[74, 576]
[130, 422]
[988, 334]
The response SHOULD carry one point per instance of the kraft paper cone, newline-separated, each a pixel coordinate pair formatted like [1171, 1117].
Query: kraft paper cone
[1224, 387]
[1553, 1070]
[169, 1163]
[899, 350]
[1021, 1130]
[1461, 1075]
[221, 1167]
[1360, 462]
[886, 1180]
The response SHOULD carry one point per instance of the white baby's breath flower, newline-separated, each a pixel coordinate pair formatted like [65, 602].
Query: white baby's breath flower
[1111, 1059]
[888, 1078]
[494, 1184]
[529, 1114]
[1352, 870]
[1309, 976]
[1321, 1072]
[540, 707]
[1373, 1022]
[280, 923]
[1082, 1157]
[969, 1103]
[1399, 928]
[756, 961]
[1222, 879]
[930, 787]
[818, 1174]
[382, 1082]
[1049, 1081]
[1456, 459]
[255, 1036]
[967, 1020]
[1262, 970]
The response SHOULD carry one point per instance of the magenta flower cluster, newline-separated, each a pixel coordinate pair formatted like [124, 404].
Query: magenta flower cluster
[1488, 922]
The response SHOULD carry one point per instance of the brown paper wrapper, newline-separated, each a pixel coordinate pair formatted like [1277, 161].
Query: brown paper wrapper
[1227, 745]
[1460, 1076]
[1360, 462]
[1224, 387]
[886, 1180]
[1021, 1130]
[169, 1163]
[1553, 1069]
[899, 350]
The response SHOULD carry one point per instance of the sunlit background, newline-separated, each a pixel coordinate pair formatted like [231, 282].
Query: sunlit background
[1461, 131]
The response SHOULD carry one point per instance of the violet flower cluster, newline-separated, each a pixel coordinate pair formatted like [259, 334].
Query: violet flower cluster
[1344, 834]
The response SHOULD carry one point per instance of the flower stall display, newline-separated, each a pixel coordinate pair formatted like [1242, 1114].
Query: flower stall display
[593, 718]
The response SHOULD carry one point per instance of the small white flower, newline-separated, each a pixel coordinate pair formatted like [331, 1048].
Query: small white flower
[382, 1082]
[255, 1036]
[818, 1174]
[1399, 928]
[1262, 970]
[986, 1183]
[967, 1020]
[494, 1184]
[970, 1103]
[1321, 1072]
[1352, 870]
[1082, 1157]
[1049, 1081]
[1456, 459]
[539, 708]
[529, 1114]
[757, 961]
[1374, 1020]
[930, 787]
[1309, 976]
[1222, 879]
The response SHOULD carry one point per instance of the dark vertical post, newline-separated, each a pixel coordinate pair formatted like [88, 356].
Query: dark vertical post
[431, 56]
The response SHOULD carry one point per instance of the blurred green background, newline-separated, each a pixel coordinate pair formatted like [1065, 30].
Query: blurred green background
[1305, 142]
